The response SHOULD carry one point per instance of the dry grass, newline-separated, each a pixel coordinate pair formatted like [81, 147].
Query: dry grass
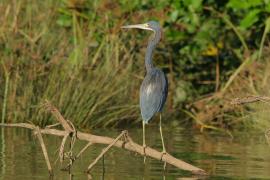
[218, 112]
[42, 59]
[253, 81]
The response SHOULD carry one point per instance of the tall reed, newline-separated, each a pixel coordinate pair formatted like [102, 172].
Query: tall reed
[87, 77]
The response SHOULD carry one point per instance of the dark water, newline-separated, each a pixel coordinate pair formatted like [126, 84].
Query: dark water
[244, 157]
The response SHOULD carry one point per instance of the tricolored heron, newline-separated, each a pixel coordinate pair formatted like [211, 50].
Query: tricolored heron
[154, 88]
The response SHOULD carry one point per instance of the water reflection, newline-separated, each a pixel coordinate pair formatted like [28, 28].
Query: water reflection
[224, 158]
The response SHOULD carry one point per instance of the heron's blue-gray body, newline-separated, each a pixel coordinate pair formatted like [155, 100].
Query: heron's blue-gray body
[153, 93]
[154, 88]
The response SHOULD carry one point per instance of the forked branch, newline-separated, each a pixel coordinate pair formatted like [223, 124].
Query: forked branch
[127, 143]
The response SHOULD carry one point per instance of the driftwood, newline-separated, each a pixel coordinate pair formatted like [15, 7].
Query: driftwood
[125, 143]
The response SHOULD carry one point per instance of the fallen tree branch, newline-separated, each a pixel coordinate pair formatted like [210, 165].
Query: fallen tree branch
[127, 143]
[131, 146]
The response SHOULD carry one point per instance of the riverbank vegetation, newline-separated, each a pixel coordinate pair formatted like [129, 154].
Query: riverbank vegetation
[74, 54]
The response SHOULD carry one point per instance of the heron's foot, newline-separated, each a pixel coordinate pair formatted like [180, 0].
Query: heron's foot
[144, 154]
[161, 158]
[144, 147]
[162, 154]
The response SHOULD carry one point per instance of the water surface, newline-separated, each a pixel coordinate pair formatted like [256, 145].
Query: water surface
[244, 157]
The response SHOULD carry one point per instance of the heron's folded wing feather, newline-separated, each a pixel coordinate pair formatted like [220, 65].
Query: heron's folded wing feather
[153, 94]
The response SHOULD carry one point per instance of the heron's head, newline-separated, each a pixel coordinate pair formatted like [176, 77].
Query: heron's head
[151, 25]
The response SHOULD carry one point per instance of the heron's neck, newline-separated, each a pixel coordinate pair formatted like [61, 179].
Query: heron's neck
[149, 51]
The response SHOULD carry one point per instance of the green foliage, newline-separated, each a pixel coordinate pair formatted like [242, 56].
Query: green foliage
[73, 53]
[202, 32]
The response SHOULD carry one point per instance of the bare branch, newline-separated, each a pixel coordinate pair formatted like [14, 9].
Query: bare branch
[58, 116]
[104, 151]
[53, 125]
[77, 156]
[250, 99]
[83, 149]
[62, 147]
[44, 150]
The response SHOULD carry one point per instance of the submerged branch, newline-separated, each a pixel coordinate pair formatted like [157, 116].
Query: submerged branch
[104, 151]
[44, 150]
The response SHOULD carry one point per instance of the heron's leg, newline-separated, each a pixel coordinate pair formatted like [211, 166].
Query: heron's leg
[162, 140]
[160, 129]
[144, 145]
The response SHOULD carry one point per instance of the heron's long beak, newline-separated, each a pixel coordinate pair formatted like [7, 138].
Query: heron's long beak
[138, 26]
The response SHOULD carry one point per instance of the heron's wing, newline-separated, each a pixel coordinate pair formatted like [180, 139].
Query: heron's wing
[153, 94]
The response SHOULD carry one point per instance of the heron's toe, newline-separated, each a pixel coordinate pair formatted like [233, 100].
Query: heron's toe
[144, 158]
